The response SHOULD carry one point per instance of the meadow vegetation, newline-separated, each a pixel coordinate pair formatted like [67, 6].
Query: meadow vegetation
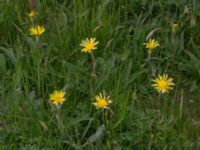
[55, 95]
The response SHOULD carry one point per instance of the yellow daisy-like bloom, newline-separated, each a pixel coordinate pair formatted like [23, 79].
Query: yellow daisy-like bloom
[89, 45]
[57, 97]
[37, 30]
[32, 13]
[102, 101]
[163, 84]
[174, 27]
[151, 44]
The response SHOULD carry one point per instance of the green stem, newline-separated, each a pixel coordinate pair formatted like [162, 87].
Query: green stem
[37, 39]
[159, 97]
[149, 63]
[103, 117]
[105, 122]
[59, 121]
[94, 76]
[51, 117]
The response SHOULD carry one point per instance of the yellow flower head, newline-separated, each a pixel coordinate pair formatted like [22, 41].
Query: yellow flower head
[174, 27]
[32, 13]
[57, 97]
[163, 84]
[89, 45]
[151, 44]
[102, 101]
[37, 30]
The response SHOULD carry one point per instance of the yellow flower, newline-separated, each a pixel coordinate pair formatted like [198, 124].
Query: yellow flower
[174, 27]
[151, 44]
[37, 30]
[89, 45]
[163, 84]
[57, 97]
[102, 101]
[32, 13]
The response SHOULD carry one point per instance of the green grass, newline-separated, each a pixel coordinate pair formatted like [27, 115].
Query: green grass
[140, 119]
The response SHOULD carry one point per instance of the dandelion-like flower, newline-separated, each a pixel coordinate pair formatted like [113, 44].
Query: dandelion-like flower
[151, 44]
[174, 27]
[102, 101]
[163, 84]
[37, 30]
[32, 13]
[89, 45]
[57, 97]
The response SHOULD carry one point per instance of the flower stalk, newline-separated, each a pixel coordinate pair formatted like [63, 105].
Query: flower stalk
[93, 74]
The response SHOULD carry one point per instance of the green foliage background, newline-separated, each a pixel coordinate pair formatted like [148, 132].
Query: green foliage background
[28, 74]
